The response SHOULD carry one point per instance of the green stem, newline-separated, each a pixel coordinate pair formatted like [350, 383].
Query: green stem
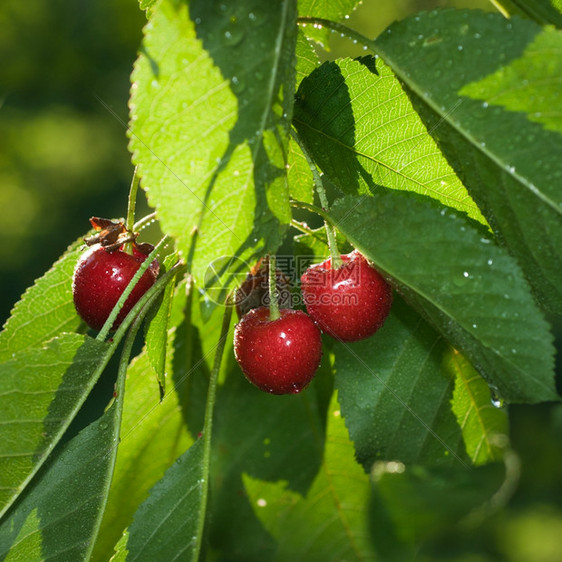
[319, 185]
[131, 207]
[341, 29]
[208, 424]
[144, 222]
[308, 207]
[274, 313]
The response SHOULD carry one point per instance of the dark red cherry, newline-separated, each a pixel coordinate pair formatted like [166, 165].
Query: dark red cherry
[349, 303]
[101, 276]
[279, 356]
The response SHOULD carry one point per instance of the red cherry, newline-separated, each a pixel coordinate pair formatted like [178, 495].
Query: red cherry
[100, 277]
[279, 356]
[349, 303]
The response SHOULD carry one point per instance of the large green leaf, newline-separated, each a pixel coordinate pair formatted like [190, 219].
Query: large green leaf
[58, 517]
[210, 107]
[395, 394]
[41, 389]
[469, 288]
[45, 310]
[488, 89]
[170, 523]
[155, 431]
[269, 438]
[166, 525]
[479, 413]
[154, 435]
[328, 522]
[362, 131]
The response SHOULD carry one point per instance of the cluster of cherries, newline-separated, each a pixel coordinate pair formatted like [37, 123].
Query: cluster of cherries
[279, 354]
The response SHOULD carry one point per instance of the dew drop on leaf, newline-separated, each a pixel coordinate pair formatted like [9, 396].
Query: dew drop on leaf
[233, 36]
[257, 17]
[496, 400]
[237, 85]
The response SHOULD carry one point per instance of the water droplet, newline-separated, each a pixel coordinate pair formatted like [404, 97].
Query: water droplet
[103, 426]
[460, 47]
[496, 400]
[475, 326]
[261, 502]
[257, 17]
[484, 104]
[466, 274]
[221, 8]
[237, 85]
[490, 261]
[233, 35]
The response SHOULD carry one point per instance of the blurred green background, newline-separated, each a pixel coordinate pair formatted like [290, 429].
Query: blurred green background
[64, 85]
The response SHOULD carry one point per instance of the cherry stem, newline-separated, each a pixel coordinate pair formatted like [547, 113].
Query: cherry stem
[208, 423]
[131, 207]
[274, 313]
[319, 185]
[340, 28]
[144, 222]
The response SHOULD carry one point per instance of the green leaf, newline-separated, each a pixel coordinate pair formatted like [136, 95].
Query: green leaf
[147, 5]
[157, 330]
[484, 426]
[307, 59]
[166, 524]
[59, 514]
[469, 288]
[486, 88]
[529, 84]
[45, 310]
[155, 431]
[329, 521]
[542, 11]
[269, 438]
[153, 436]
[328, 9]
[171, 521]
[413, 504]
[212, 150]
[395, 394]
[41, 390]
[363, 132]
[299, 175]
